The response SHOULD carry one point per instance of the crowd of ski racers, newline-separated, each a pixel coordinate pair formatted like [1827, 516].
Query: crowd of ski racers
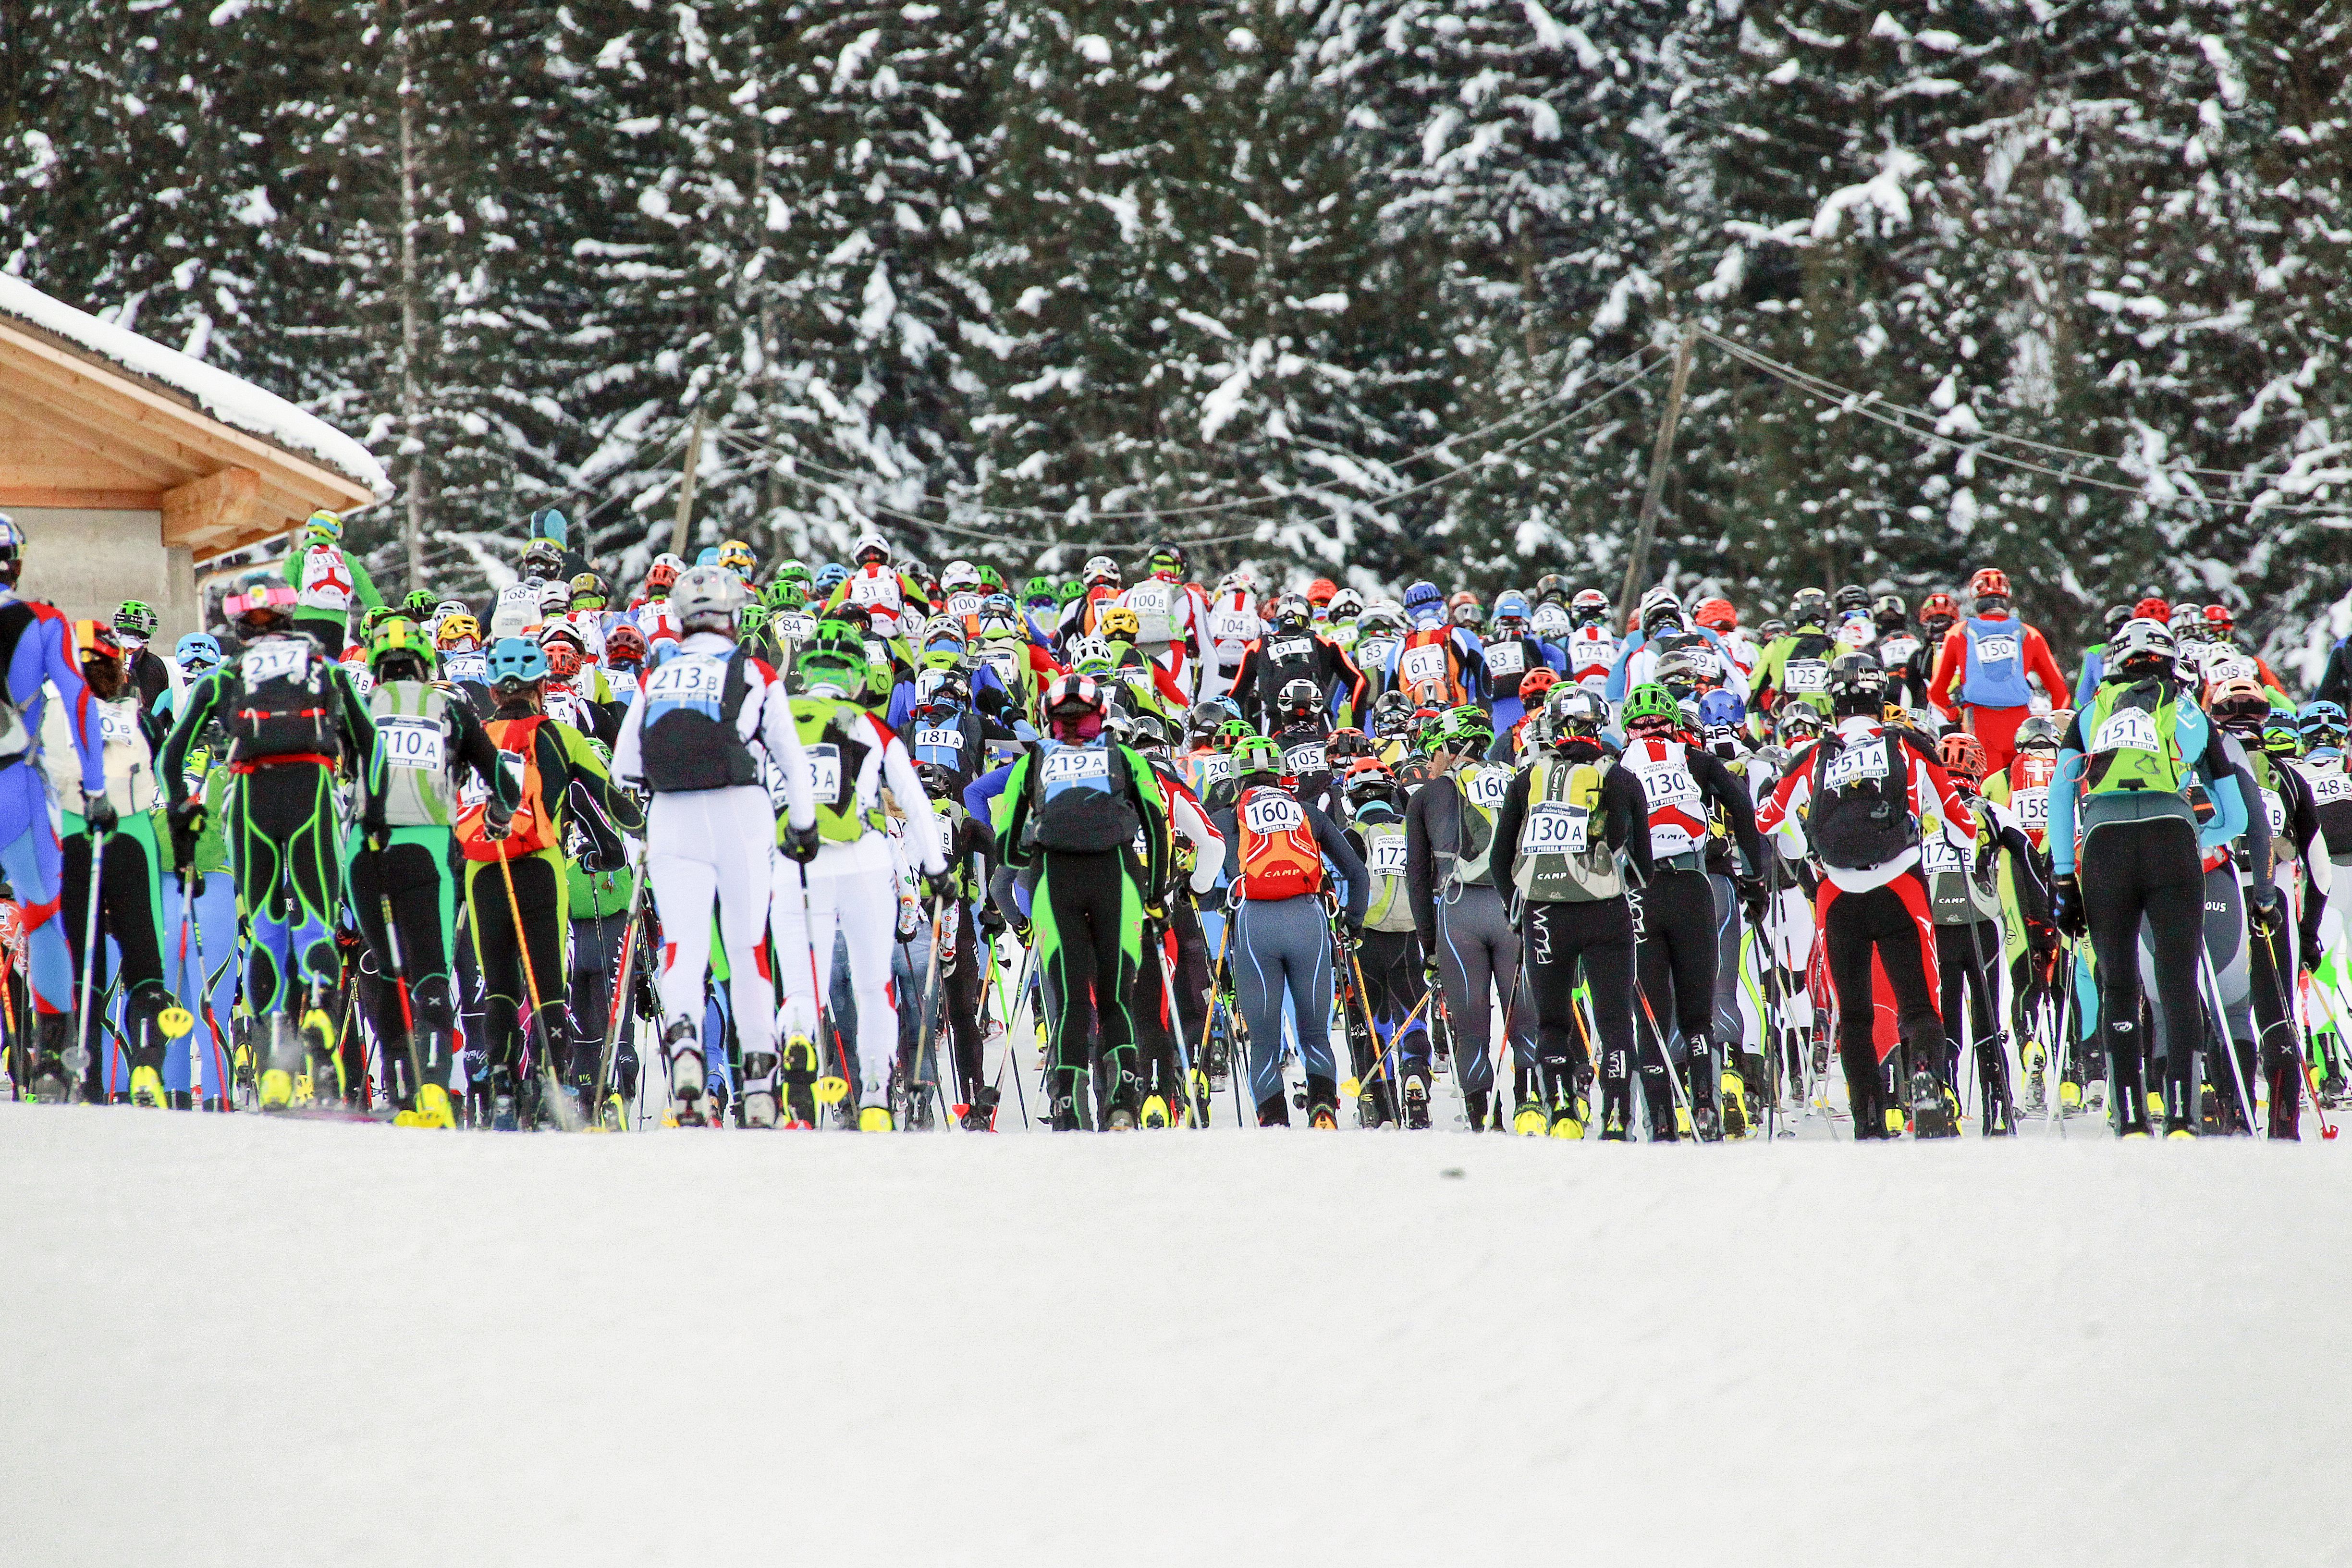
[775, 846]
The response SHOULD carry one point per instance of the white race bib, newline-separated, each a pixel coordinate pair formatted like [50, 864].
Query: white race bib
[415, 744]
[1862, 763]
[1940, 854]
[1426, 662]
[274, 660]
[1506, 657]
[1290, 648]
[1232, 626]
[1076, 766]
[824, 772]
[795, 626]
[940, 740]
[1554, 828]
[2001, 648]
[1805, 676]
[2277, 809]
[2329, 788]
[2031, 806]
[1270, 812]
[1388, 855]
[1486, 787]
[864, 589]
[960, 605]
[2127, 729]
[1216, 768]
[1304, 758]
[473, 666]
[689, 681]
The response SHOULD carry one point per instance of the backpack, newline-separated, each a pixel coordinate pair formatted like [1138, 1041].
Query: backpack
[690, 739]
[533, 827]
[1861, 814]
[282, 703]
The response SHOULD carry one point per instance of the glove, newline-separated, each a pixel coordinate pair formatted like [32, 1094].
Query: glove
[497, 820]
[802, 843]
[2307, 953]
[941, 885]
[1155, 912]
[1752, 898]
[184, 821]
[98, 812]
[1351, 928]
[1429, 968]
[2041, 941]
[2066, 906]
[991, 919]
[2262, 914]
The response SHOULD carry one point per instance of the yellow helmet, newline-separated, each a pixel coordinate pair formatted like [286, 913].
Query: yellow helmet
[454, 630]
[1119, 621]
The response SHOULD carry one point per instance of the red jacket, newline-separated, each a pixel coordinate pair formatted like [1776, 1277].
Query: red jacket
[1952, 662]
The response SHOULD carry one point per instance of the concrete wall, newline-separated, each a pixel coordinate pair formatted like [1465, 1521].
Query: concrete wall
[87, 562]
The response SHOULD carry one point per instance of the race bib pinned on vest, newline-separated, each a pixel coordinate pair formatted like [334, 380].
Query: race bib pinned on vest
[2127, 730]
[1271, 812]
[1806, 677]
[824, 772]
[1076, 765]
[1388, 855]
[1553, 827]
[1426, 662]
[417, 745]
[1505, 658]
[1857, 764]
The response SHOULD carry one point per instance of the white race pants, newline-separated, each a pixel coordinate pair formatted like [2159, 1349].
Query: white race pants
[698, 845]
[852, 890]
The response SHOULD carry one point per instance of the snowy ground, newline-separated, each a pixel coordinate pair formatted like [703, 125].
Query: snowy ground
[246, 1342]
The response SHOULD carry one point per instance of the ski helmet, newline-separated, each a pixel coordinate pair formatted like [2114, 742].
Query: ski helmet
[516, 663]
[454, 630]
[706, 599]
[1651, 710]
[1167, 561]
[833, 662]
[1858, 685]
[1964, 757]
[624, 647]
[12, 549]
[737, 557]
[197, 653]
[1989, 583]
[400, 641]
[265, 604]
[1809, 607]
[1254, 754]
[136, 618]
[870, 550]
[1100, 572]
[2143, 647]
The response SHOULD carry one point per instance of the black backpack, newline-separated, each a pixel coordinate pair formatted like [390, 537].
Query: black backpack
[685, 749]
[1865, 819]
[281, 702]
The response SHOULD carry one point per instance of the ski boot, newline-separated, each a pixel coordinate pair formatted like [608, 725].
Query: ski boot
[1658, 1097]
[283, 1084]
[326, 1066]
[760, 1088]
[1569, 1115]
[1062, 1115]
[1532, 1119]
[980, 1116]
[1373, 1105]
[1416, 1102]
[2037, 1067]
[1616, 1117]
[875, 1119]
[1932, 1111]
[57, 1061]
[1120, 1118]
[2182, 1110]
[430, 1109]
[2285, 1119]
[682, 1060]
[1322, 1104]
[1155, 1114]
[180, 1099]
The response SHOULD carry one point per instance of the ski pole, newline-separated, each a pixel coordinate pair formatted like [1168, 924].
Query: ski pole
[2221, 1033]
[617, 1003]
[927, 1015]
[1176, 1030]
[1217, 1000]
[548, 1079]
[1354, 1087]
[2288, 1022]
[399, 968]
[1013, 1012]
[2319, 994]
[833, 1088]
[1674, 1079]
[89, 962]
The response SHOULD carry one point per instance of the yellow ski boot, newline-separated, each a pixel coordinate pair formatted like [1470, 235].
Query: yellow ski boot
[1155, 1112]
[1731, 1097]
[147, 1088]
[2070, 1098]
[1895, 1123]
[1568, 1120]
[432, 1109]
[278, 1089]
[1531, 1120]
[875, 1119]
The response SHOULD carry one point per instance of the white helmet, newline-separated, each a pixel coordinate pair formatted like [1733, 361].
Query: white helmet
[554, 599]
[704, 599]
[959, 574]
[1345, 605]
[870, 544]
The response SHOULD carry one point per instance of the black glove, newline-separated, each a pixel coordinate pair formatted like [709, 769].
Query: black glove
[941, 885]
[801, 844]
[2263, 915]
[1753, 898]
[98, 812]
[2066, 906]
[1351, 928]
[991, 919]
[497, 820]
[2307, 953]
[184, 821]
[2040, 941]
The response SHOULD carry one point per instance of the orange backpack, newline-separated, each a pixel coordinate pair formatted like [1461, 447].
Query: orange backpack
[1280, 859]
[533, 827]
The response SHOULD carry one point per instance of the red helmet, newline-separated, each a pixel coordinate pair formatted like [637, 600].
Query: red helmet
[1715, 615]
[661, 574]
[2152, 609]
[1964, 756]
[1989, 583]
[1536, 682]
[1320, 592]
[625, 645]
[2219, 618]
[1938, 607]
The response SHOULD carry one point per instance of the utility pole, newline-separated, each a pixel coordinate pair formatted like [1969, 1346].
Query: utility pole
[686, 488]
[412, 390]
[1638, 564]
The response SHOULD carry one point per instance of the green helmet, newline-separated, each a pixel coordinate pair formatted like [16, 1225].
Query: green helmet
[1038, 591]
[1466, 729]
[418, 605]
[1256, 754]
[136, 618]
[835, 659]
[792, 587]
[1232, 734]
[752, 619]
[401, 637]
[1069, 593]
[1650, 701]
[991, 579]
[377, 617]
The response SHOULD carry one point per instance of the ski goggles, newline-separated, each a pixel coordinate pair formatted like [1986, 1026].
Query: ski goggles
[271, 597]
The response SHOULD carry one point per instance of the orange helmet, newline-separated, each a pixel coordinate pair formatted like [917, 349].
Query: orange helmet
[1989, 583]
[1938, 607]
[1535, 683]
[1964, 756]
[1320, 590]
[1715, 615]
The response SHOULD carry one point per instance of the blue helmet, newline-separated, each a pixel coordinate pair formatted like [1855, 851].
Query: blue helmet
[1722, 707]
[2319, 711]
[707, 556]
[1511, 605]
[197, 652]
[517, 659]
[830, 575]
[1424, 604]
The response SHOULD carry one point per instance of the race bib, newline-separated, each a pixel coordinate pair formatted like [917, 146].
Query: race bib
[1270, 812]
[1076, 766]
[2032, 807]
[120, 730]
[1897, 649]
[1864, 764]
[1671, 787]
[1232, 626]
[1388, 855]
[362, 678]
[872, 590]
[1290, 648]
[278, 659]
[1302, 759]
[1549, 622]
[1375, 653]
[939, 740]
[1506, 657]
[795, 626]
[1426, 662]
[689, 681]
[1805, 676]
[1703, 661]
[415, 744]
[518, 596]
[960, 605]
[1999, 648]
[1940, 854]
[473, 666]
[2228, 667]
[1486, 787]
[878, 654]
[2277, 810]
[2127, 730]
[1005, 662]
[2328, 788]
[825, 772]
[1216, 768]
[1554, 828]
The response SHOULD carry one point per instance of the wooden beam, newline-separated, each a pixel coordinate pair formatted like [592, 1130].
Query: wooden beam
[126, 409]
[225, 502]
[74, 498]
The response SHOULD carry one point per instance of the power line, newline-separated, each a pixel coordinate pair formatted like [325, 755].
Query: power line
[1858, 403]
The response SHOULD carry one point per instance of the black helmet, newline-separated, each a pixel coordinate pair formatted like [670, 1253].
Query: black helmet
[1148, 732]
[1889, 611]
[1857, 686]
[937, 781]
[1809, 607]
[1853, 596]
[1391, 713]
[1550, 590]
[2115, 615]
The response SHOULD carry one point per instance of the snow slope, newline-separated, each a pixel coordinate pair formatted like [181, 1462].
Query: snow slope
[247, 1342]
[225, 397]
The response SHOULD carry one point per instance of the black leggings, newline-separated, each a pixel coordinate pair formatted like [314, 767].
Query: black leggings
[1674, 919]
[1599, 937]
[1394, 984]
[2150, 871]
[1963, 956]
[1088, 916]
[541, 898]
